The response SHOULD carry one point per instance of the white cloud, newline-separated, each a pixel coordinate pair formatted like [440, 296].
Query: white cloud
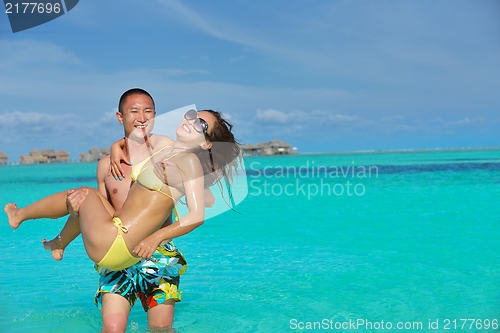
[392, 118]
[326, 123]
[237, 59]
[274, 116]
[465, 122]
[33, 53]
[193, 18]
[180, 71]
[271, 115]
[35, 128]
[19, 120]
[228, 31]
[340, 118]
[336, 50]
[357, 40]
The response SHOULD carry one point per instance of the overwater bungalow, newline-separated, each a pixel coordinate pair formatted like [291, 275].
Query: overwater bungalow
[94, 154]
[45, 156]
[274, 147]
[4, 158]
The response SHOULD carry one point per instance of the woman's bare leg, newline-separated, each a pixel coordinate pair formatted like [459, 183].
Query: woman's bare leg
[97, 229]
[95, 214]
[72, 227]
[53, 206]
[69, 232]
[11, 210]
[96, 226]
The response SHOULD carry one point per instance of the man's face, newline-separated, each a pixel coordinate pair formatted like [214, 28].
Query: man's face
[138, 116]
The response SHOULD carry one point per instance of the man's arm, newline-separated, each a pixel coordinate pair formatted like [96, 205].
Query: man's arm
[101, 174]
[76, 196]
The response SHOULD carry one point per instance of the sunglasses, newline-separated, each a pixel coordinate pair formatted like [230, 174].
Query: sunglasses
[199, 125]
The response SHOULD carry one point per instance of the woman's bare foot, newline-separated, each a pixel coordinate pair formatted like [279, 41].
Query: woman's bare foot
[11, 211]
[55, 246]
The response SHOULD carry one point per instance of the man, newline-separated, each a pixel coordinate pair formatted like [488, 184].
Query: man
[154, 281]
[118, 291]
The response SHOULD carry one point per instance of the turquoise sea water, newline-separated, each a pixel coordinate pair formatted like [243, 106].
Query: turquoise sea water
[334, 242]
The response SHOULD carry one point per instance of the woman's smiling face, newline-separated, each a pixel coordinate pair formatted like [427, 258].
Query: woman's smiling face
[188, 132]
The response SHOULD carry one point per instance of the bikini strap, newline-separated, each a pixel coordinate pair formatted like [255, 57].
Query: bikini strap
[176, 211]
[118, 223]
[169, 157]
[137, 168]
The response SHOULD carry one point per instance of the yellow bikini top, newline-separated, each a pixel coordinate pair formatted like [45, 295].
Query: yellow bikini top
[147, 178]
[136, 169]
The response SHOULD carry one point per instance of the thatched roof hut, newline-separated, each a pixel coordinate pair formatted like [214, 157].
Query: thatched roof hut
[274, 147]
[44, 156]
[4, 158]
[94, 154]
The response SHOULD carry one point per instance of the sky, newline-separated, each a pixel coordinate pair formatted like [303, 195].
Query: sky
[324, 76]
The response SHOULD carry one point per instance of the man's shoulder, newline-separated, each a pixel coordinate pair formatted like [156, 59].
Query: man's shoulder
[104, 161]
[102, 168]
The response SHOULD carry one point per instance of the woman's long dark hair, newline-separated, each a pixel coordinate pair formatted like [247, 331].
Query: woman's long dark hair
[221, 162]
[222, 159]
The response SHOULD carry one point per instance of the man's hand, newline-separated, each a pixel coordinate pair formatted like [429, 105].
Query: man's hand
[74, 199]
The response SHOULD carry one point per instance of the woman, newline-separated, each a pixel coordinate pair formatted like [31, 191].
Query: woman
[177, 169]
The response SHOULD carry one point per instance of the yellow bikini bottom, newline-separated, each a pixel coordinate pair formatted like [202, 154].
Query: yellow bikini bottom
[118, 256]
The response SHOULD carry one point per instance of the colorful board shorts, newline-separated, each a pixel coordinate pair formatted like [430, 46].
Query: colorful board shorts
[153, 281]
